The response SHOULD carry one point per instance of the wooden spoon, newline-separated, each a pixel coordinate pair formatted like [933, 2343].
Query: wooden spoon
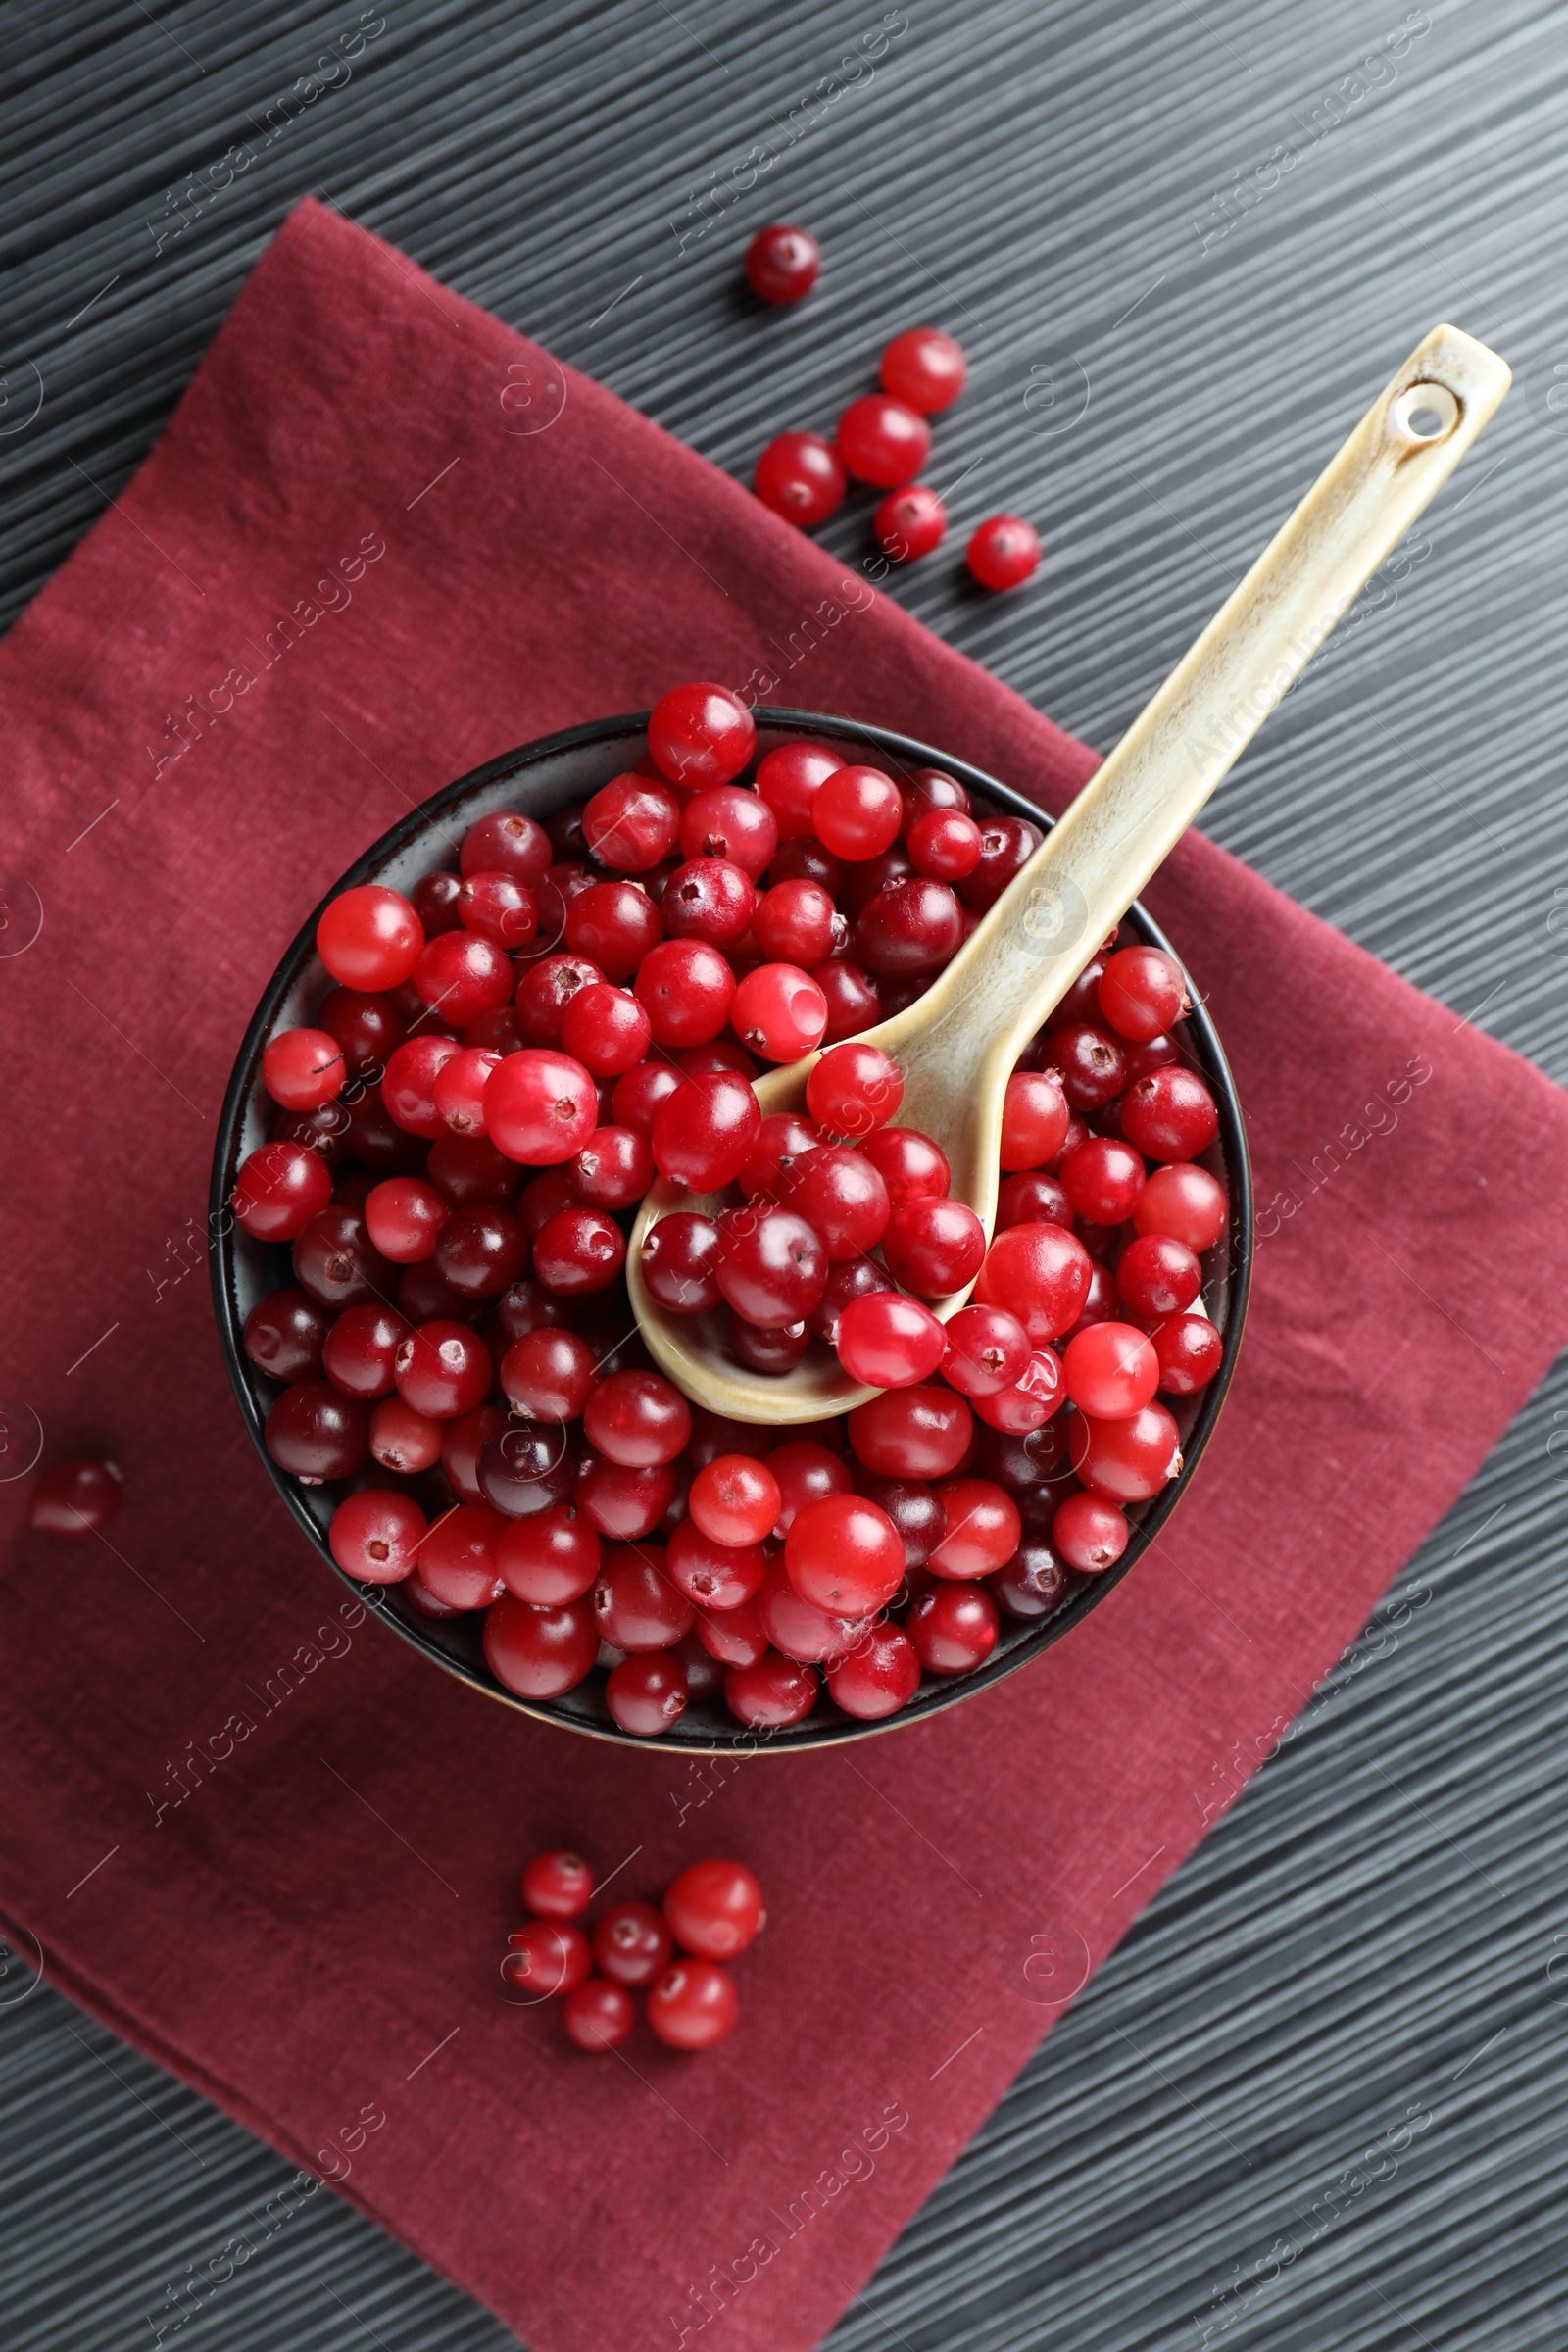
[957, 1043]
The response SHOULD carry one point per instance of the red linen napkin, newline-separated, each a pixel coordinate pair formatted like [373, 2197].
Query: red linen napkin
[253, 1832]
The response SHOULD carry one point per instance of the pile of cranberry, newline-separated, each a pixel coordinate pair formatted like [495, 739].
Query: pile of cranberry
[460, 1139]
[712, 1911]
[882, 438]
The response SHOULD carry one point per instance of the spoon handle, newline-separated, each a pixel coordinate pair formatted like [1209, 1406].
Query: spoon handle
[1134, 807]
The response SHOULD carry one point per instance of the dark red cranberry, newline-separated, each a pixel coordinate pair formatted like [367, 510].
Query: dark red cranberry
[1031, 1199]
[854, 1000]
[1033, 1584]
[1093, 1065]
[284, 1334]
[480, 1252]
[916, 1510]
[316, 1432]
[850, 1279]
[335, 1263]
[434, 899]
[76, 1498]
[524, 1467]
[761, 1348]
[1007, 845]
[911, 926]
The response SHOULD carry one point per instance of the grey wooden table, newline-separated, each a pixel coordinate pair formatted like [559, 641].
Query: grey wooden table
[1316, 2098]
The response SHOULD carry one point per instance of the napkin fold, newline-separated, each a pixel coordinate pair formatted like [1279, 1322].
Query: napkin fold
[383, 539]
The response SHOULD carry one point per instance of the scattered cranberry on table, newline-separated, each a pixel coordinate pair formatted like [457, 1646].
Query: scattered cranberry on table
[76, 1498]
[451, 1340]
[1002, 552]
[712, 1912]
[782, 263]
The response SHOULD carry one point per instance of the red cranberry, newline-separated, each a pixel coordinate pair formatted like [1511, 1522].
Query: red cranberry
[844, 1555]
[705, 1133]
[1103, 1180]
[788, 777]
[701, 735]
[772, 1694]
[548, 1375]
[733, 1636]
[641, 1093]
[715, 1575]
[1089, 1533]
[540, 1108]
[953, 1628]
[856, 813]
[369, 937]
[878, 1677]
[549, 1558]
[637, 1419]
[945, 845]
[1037, 1273]
[647, 1695]
[912, 926]
[334, 1261]
[598, 2015]
[316, 1432]
[1185, 1201]
[801, 477]
[362, 1349]
[987, 1350]
[1159, 1276]
[767, 1346]
[919, 1433]
[1032, 1400]
[909, 523]
[854, 1000]
[795, 923]
[983, 1528]
[771, 1265]
[712, 898]
[557, 1885]
[281, 1187]
[284, 1334]
[79, 1497]
[402, 1217]
[606, 1029]
[460, 975]
[1032, 1585]
[806, 1471]
[631, 824]
[923, 367]
[434, 899]
[841, 1193]
[1007, 845]
[622, 1503]
[888, 1342]
[735, 1500]
[302, 1068]
[934, 1247]
[686, 988]
[1125, 1460]
[1189, 1351]
[368, 1028]
[545, 991]
[883, 441]
[1002, 552]
[679, 1263]
[911, 1166]
[507, 842]
[580, 1249]
[1034, 1118]
[458, 1558]
[480, 1252]
[782, 263]
[692, 2006]
[613, 924]
[539, 1653]
[797, 1627]
[1140, 992]
[1169, 1115]
[375, 1535]
[1111, 1371]
[632, 1944]
[636, 1607]
[731, 824]
[1032, 1199]
[443, 1370]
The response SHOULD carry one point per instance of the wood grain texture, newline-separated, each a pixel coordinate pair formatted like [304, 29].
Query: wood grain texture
[1175, 241]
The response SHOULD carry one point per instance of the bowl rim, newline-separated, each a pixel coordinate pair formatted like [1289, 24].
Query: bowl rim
[809, 1734]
